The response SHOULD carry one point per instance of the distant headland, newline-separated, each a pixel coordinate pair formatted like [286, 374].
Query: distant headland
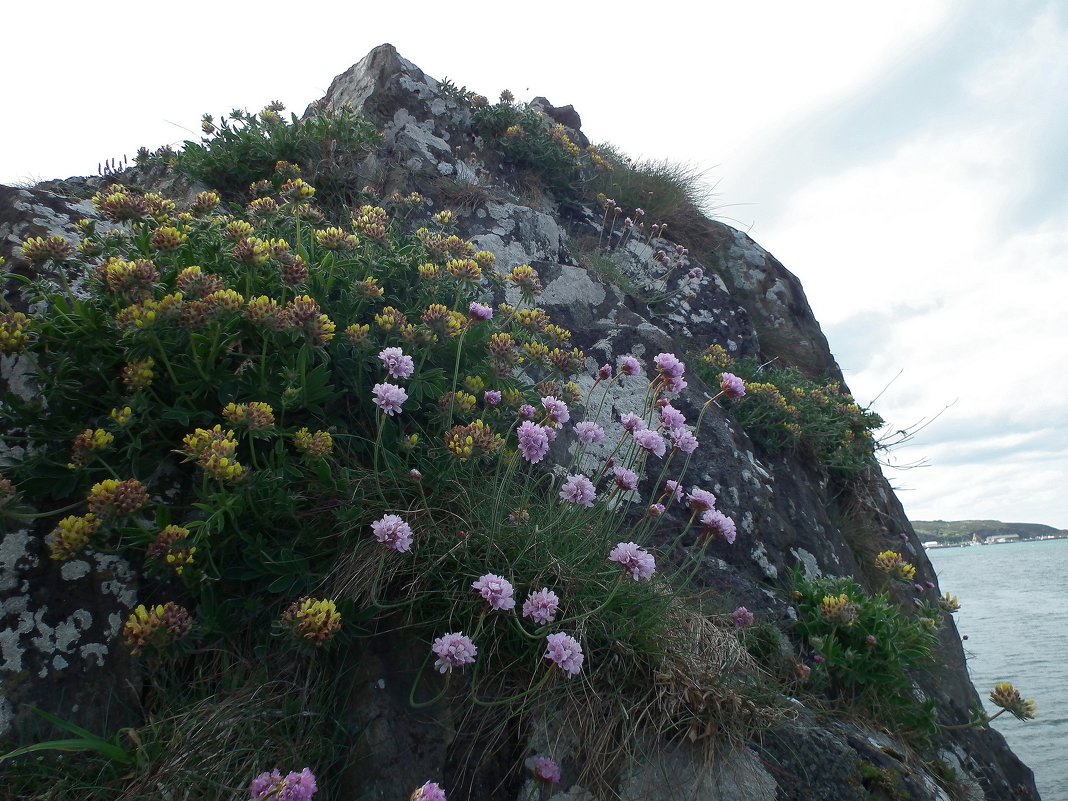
[954, 533]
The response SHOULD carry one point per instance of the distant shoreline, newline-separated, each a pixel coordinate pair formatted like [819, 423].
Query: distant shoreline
[993, 540]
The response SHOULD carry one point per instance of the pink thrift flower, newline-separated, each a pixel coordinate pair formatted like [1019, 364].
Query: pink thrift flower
[631, 422]
[479, 312]
[294, 787]
[669, 365]
[628, 365]
[676, 384]
[634, 559]
[398, 365]
[496, 591]
[453, 650]
[683, 439]
[430, 791]
[578, 490]
[701, 500]
[491, 397]
[556, 410]
[527, 412]
[605, 372]
[716, 524]
[671, 417]
[533, 441]
[625, 479]
[564, 651]
[651, 441]
[696, 274]
[389, 397]
[263, 784]
[742, 617]
[731, 385]
[675, 489]
[545, 770]
[393, 532]
[656, 510]
[589, 433]
[541, 606]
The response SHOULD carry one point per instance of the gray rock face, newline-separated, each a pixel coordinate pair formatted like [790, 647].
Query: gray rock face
[54, 639]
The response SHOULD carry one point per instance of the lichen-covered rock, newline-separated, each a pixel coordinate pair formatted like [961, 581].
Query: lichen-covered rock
[60, 622]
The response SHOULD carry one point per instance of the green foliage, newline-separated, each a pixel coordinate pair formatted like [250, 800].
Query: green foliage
[868, 647]
[532, 142]
[785, 411]
[244, 148]
[672, 194]
[201, 413]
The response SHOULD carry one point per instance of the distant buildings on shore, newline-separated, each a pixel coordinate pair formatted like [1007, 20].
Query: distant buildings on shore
[993, 539]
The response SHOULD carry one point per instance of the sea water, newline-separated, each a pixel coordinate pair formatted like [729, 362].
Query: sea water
[1014, 611]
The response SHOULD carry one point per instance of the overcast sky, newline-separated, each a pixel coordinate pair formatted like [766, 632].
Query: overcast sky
[909, 165]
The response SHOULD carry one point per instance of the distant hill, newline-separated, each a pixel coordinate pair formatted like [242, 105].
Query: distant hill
[957, 530]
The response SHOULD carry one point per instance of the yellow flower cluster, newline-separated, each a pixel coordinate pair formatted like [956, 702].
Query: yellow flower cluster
[256, 415]
[717, 356]
[87, 443]
[14, 332]
[252, 250]
[838, 610]
[892, 563]
[121, 416]
[156, 626]
[111, 497]
[37, 250]
[296, 189]
[476, 439]
[390, 318]
[167, 237]
[1008, 698]
[559, 135]
[313, 619]
[138, 375]
[205, 202]
[444, 217]
[171, 548]
[464, 270]
[318, 444]
[335, 239]
[461, 402]
[214, 451]
[527, 280]
[370, 288]
[357, 334]
[265, 311]
[71, 535]
[949, 603]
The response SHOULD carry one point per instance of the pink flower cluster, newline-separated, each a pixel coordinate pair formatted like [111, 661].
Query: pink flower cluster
[634, 559]
[491, 397]
[478, 311]
[565, 652]
[650, 441]
[496, 591]
[533, 441]
[389, 397]
[294, 787]
[398, 365]
[742, 617]
[546, 770]
[731, 385]
[555, 410]
[589, 433]
[578, 490]
[430, 791]
[625, 479]
[628, 365]
[716, 524]
[452, 651]
[541, 606]
[671, 370]
[393, 532]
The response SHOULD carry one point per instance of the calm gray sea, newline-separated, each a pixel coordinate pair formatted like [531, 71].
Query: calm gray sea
[1014, 609]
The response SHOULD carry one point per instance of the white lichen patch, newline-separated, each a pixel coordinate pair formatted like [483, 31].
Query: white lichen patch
[759, 554]
[94, 649]
[120, 585]
[14, 549]
[74, 570]
[808, 563]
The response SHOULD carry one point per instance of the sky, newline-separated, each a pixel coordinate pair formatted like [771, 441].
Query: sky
[905, 160]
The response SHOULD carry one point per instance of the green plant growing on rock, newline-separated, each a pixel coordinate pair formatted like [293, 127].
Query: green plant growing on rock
[863, 649]
[242, 149]
[307, 433]
[786, 411]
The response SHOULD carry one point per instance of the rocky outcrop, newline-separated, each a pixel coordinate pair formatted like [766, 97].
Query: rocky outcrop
[55, 640]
